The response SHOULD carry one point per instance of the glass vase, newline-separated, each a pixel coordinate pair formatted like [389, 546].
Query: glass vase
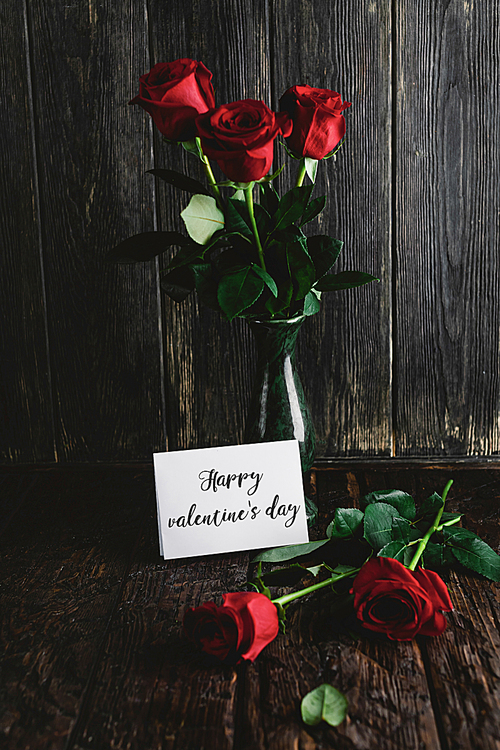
[278, 409]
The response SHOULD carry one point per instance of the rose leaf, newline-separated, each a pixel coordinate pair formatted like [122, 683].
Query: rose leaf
[431, 505]
[344, 280]
[345, 524]
[280, 554]
[324, 703]
[145, 246]
[400, 500]
[266, 278]
[437, 555]
[206, 286]
[179, 283]
[314, 208]
[292, 206]
[324, 252]
[312, 302]
[378, 524]
[395, 550]
[473, 552]
[179, 180]
[239, 290]
[202, 218]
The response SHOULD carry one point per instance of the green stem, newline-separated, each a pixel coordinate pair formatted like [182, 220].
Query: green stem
[211, 181]
[303, 592]
[302, 173]
[249, 201]
[423, 543]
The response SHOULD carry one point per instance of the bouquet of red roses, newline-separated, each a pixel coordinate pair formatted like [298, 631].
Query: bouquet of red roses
[243, 257]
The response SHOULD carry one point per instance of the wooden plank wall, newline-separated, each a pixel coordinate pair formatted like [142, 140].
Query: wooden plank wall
[95, 365]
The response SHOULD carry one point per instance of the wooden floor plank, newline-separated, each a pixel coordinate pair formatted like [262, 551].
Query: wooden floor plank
[64, 557]
[465, 665]
[152, 688]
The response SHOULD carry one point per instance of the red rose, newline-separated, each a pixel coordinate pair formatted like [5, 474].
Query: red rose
[174, 94]
[242, 627]
[390, 599]
[240, 137]
[318, 122]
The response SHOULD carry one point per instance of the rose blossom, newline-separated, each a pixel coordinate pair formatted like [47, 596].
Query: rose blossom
[242, 627]
[240, 137]
[390, 599]
[318, 122]
[174, 94]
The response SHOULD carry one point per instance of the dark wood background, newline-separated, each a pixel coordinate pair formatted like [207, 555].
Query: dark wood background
[96, 366]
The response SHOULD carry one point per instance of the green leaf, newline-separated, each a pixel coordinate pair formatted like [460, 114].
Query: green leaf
[324, 703]
[266, 278]
[401, 530]
[193, 147]
[346, 522]
[395, 549]
[301, 268]
[179, 283]
[397, 498]
[239, 290]
[280, 554]
[313, 209]
[311, 166]
[292, 206]
[270, 177]
[431, 505]
[179, 180]
[378, 524]
[344, 280]
[202, 218]
[238, 220]
[145, 246]
[206, 285]
[282, 301]
[324, 252]
[270, 198]
[437, 555]
[312, 302]
[472, 552]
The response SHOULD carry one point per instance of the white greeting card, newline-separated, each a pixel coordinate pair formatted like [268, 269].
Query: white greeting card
[236, 497]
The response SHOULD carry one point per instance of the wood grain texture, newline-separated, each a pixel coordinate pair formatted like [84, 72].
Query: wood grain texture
[103, 320]
[64, 557]
[346, 47]
[150, 679]
[26, 425]
[465, 666]
[447, 274]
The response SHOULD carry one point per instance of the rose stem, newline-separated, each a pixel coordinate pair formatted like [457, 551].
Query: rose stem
[249, 202]
[302, 173]
[212, 183]
[296, 594]
[423, 542]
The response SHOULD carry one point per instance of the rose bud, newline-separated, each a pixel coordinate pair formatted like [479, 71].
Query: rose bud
[240, 138]
[318, 122]
[390, 599]
[174, 94]
[240, 629]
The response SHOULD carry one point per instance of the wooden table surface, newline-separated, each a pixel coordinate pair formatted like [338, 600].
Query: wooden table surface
[93, 657]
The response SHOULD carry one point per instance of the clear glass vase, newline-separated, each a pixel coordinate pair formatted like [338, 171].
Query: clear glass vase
[278, 409]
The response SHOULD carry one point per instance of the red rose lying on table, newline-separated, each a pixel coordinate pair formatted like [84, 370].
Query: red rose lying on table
[390, 599]
[242, 627]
